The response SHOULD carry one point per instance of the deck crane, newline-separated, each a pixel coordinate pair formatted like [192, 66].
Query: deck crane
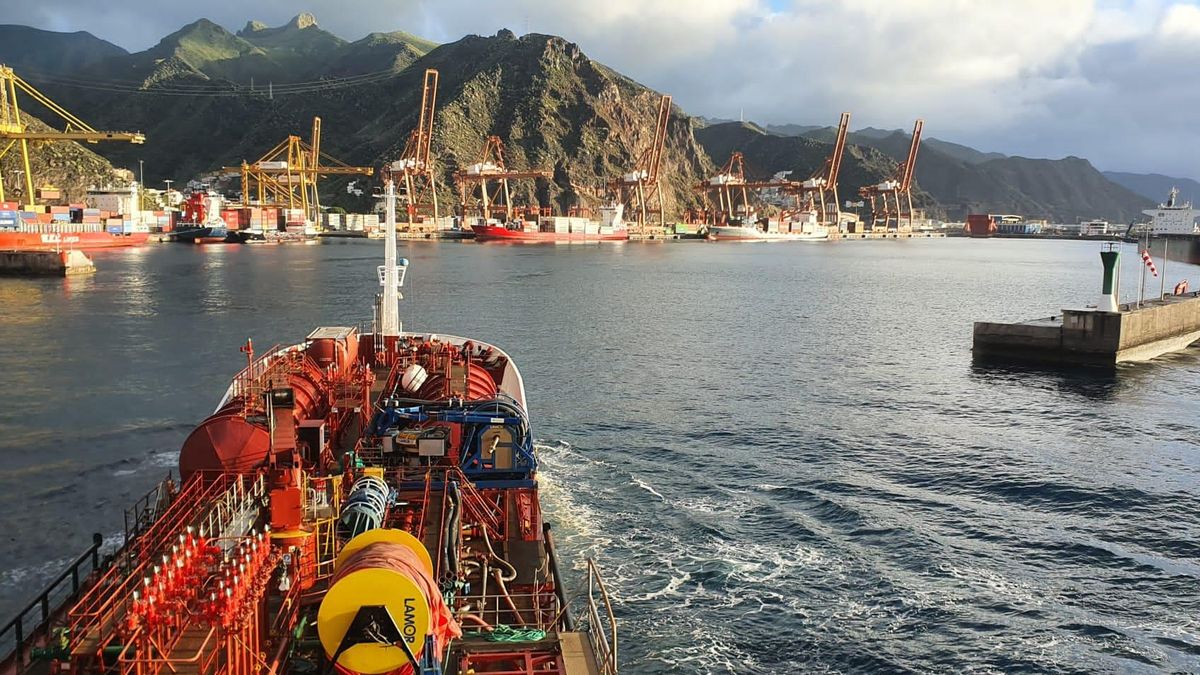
[491, 175]
[413, 170]
[732, 190]
[638, 188]
[287, 175]
[819, 193]
[891, 200]
[14, 131]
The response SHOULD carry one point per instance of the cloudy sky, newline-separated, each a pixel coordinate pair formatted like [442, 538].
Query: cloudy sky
[1111, 80]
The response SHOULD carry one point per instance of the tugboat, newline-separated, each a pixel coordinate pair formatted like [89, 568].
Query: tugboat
[361, 501]
[201, 222]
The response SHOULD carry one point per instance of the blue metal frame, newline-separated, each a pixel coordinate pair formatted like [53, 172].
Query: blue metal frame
[475, 420]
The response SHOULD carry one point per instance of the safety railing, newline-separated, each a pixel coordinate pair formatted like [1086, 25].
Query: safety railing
[24, 627]
[155, 658]
[148, 507]
[108, 599]
[538, 611]
[272, 366]
[602, 623]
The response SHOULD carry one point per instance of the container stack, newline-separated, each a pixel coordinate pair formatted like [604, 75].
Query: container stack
[232, 218]
[9, 215]
[361, 222]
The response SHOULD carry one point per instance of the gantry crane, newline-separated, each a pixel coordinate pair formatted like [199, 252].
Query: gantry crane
[413, 170]
[287, 176]
[733, 191]
[891, 200]
[818, 194]
[490, 168]
[17, 132]
[639, 188]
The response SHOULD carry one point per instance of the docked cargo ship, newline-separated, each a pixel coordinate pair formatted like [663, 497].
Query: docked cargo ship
[1173, 230]
[61, 228]
[55, 239]
[361, 501]
[750, 229]
[563, 229]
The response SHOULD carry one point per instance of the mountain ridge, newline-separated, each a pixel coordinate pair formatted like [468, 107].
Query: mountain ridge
[551, 104]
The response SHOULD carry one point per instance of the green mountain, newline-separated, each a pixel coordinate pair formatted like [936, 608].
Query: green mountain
[31, 50]
[766, 154]
[962, 152]
[379, 51]
[553, 106]
[1155, 186]
[67, 165]
[964, 181]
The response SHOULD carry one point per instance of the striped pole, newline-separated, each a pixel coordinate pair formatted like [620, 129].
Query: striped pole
[1162, 280]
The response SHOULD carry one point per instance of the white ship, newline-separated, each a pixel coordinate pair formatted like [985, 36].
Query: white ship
[750, 228]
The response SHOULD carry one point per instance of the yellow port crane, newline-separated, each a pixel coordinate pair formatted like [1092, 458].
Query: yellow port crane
[17, 132]
[286, 176]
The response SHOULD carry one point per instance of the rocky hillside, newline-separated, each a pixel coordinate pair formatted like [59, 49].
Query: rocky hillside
[30, 50]
[207, 97]
[963, 180]
[1155, 186]
[766, 154]
[69, 166]
[554, 107]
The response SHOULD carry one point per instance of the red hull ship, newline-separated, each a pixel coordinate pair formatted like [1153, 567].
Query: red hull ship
[53, 241]
[358, 503]
[501, 233]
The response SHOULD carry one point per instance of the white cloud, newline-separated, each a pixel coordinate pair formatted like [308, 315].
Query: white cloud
[1105, 79]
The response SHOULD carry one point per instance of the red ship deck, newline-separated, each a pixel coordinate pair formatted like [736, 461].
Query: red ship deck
[403, 461]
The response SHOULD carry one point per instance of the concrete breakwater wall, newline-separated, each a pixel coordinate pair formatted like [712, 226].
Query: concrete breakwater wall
[1095, 337]
[44, 263]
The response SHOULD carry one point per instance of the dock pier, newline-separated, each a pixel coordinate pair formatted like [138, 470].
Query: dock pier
[45, 263]
[1096, 336]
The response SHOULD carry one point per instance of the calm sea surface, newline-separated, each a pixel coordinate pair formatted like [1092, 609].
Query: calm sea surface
[781, 454]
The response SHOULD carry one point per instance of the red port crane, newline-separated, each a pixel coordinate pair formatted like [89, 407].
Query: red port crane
[413, 170]
[732, 190]
[819, 193]
[891, 200]
[639, 188]
[491, 176]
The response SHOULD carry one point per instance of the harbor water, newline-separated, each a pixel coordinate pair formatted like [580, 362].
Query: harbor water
[781, 455]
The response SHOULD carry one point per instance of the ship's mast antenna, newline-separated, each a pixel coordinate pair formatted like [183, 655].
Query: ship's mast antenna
[389, 277]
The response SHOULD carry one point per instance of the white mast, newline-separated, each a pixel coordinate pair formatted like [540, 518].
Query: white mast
[389, 313]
